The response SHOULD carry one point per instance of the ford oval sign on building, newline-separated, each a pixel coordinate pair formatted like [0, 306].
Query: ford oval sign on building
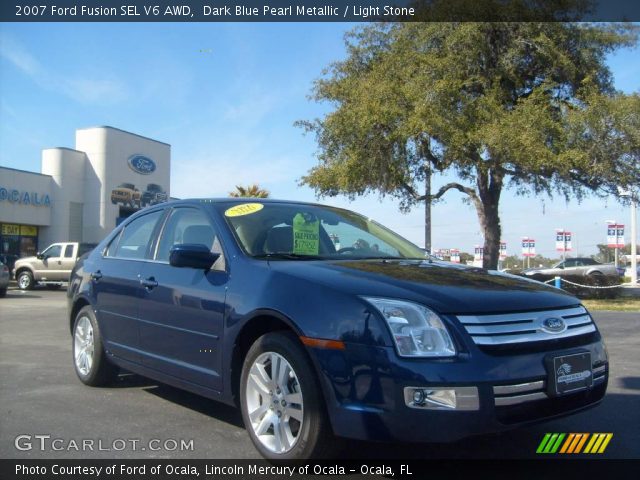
[141, 164]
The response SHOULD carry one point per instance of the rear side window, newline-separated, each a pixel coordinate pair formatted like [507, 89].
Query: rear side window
[136, 237]
[185, 225]
[68, 251]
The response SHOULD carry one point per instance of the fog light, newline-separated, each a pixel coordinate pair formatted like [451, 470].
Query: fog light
[418, 397]
[442, 398]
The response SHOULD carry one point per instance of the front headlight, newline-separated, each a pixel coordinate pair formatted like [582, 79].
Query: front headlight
[416, 330]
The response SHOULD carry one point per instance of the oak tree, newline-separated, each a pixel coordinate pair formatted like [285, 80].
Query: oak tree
[527, 106]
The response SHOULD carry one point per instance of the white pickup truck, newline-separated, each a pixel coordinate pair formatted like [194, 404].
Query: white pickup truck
[52, 266]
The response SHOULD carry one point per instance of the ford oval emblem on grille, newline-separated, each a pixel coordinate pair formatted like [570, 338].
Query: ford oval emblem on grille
[553, 325]
[141, 164]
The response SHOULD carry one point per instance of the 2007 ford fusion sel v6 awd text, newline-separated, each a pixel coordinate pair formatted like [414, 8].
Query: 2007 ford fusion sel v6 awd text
[318, 323]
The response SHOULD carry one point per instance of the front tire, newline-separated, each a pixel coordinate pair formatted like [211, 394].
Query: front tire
[89, 358]
[25, 280]
[281, 402]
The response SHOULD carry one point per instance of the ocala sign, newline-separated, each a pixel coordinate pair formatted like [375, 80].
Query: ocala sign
[12, 195]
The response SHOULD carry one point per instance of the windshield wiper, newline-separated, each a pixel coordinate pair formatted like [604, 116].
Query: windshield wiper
[289, 256]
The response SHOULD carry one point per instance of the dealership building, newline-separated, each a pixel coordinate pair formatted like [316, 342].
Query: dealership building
[81, 193]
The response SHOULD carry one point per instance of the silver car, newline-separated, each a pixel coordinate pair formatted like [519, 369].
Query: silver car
[4, 279]
[574, 267]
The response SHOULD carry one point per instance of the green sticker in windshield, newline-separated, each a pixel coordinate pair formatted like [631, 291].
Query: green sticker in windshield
[306, 234]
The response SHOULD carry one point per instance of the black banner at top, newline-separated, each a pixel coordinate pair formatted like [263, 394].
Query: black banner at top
[318, 10]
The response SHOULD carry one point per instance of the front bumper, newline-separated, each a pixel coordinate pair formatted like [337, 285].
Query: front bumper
[365, 388]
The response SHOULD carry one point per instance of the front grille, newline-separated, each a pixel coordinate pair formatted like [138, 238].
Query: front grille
[526, 327]
[527, 402]
[514, 394]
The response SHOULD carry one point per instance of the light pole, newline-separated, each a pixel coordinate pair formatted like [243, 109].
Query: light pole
[615, 249]
[633, 197]
[634, 242]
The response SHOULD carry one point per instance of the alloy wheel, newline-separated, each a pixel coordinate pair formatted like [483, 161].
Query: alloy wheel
[83, 345]
[274, 402]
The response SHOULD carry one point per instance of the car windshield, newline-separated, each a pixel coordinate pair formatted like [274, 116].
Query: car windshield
[300, 231]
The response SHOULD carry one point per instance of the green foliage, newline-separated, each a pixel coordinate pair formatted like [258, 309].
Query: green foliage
[250, 191]
[529, 106]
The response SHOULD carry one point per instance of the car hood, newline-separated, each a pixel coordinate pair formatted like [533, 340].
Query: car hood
[25, 260]
[446, 287]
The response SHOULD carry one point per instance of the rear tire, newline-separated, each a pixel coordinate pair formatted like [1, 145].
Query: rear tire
[281, 402]
[25, 280]
[89, 358]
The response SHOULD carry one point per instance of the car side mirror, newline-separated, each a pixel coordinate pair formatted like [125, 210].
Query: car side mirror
[39, 256]
[192, 255]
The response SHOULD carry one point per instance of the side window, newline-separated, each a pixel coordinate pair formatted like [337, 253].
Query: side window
[570, 263]
[110, 251]
[186, 225]
[68, 251]
[136, 237]
[54, 251]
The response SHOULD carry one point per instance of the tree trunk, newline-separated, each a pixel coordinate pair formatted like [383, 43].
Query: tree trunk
[427, 208]
[489, 190]
[490, 222]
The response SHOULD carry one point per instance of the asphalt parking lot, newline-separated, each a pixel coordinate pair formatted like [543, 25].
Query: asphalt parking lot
[40, 395]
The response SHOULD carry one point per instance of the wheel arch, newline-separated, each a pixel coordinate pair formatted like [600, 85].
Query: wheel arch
[24, 268]
[78, 305]
[260, 323]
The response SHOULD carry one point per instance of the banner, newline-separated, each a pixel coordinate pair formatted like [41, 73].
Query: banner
[563, 241]
[478, 255]
[503, 250]
[528, 247]
[615, 235]
[455, 255]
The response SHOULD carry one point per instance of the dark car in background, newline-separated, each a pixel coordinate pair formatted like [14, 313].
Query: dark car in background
[251, 303]
[9, 260]
[4, 279]
[153, 195]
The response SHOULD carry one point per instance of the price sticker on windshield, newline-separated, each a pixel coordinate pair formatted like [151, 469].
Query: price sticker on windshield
[243, 209]
[306, 234]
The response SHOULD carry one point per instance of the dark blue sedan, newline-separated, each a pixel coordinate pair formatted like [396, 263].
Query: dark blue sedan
[318, 322]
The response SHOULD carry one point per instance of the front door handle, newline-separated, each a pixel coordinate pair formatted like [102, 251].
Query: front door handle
[96, 276]
[148, 283]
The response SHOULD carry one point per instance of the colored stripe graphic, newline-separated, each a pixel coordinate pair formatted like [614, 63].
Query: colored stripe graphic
[567, 442]
[606, 442]
[573, 443]
[556, 445]
[581, 443]
[543, 443]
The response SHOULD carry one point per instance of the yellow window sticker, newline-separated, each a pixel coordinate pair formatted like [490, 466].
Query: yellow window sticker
[306, 234]
[243, 209]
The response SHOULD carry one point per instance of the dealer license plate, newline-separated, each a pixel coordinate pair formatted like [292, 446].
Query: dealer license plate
[572, 373]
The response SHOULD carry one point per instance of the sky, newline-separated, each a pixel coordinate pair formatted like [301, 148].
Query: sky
[226, 96]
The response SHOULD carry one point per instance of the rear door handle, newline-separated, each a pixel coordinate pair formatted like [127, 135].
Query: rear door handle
[96, 276]
[148, 283]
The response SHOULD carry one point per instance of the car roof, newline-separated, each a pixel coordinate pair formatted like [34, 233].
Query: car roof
[239, 200]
